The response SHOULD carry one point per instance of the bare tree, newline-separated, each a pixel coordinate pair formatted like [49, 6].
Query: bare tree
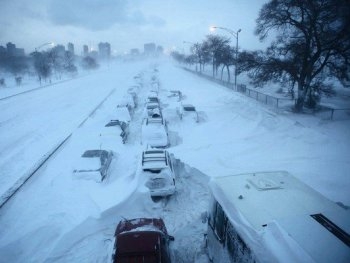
[68, 63]
[226, 58]
[89, 63]
[56, 59]
[312, 43]
[16, 65]
[215, 46]
[42, 65]
[178, 56]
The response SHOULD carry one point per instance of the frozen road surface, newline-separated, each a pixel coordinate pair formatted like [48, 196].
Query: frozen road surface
[59, 217]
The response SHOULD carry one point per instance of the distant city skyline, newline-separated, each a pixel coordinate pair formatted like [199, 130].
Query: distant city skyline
[125, 24]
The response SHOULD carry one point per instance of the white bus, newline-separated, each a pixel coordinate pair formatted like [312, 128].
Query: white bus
[273, 217]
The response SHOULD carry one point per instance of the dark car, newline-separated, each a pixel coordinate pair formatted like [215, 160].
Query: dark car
[143, 240]
[188, 109]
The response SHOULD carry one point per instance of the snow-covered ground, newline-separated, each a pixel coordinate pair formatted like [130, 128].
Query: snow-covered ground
[340, 101]
[59, 217]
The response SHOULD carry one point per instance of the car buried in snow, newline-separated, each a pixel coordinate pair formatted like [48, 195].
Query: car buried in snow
[175, 94]
[152, 97]
[124, 112]
[150, 108]
[188, 110]
[274, 217]
[123, 128]
[157, 170]
[154, 132]
[142, 240]
[94, 165]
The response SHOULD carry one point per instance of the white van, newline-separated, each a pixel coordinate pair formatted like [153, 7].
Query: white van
[273, 217]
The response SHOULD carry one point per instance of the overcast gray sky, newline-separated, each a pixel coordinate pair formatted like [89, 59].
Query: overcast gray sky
[125, 24]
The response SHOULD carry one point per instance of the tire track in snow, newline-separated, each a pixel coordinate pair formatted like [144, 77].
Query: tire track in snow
[181, 213]
[10, 193]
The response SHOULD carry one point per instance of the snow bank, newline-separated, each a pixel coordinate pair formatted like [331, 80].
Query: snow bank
[76, 219]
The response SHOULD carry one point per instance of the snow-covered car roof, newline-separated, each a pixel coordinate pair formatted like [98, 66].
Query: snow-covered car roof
[154, 159]
[152, 93]
[123, 113]
[154, 132]
[142, 224]
[140, 239]
[88, 164]
[94, 161]
[123, 128]
[122, 124]
[276, 202]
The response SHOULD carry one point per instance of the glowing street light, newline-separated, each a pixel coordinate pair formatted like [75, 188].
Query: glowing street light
[235, 35]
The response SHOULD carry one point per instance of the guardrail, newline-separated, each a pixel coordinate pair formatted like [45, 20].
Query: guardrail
[333, 113]
[338, 113]
[259, 96]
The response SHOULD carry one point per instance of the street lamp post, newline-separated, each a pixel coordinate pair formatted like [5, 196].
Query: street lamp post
[235, 35]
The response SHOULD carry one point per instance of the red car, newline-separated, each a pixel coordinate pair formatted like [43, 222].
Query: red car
[143, 240]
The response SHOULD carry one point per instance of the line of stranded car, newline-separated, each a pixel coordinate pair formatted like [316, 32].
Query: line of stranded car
[146, 239]
[254, 217]
[154, 130]
[94, 164]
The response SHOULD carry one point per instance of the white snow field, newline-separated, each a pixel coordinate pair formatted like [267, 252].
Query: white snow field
[60, 217]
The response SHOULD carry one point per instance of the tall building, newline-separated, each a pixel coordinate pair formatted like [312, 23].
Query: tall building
[70, 48]
[13, 51]
[60, 50]
[10, 47]
[104, 50]
[2, 50]
[85, 50]
[149, 48]
[134, 51]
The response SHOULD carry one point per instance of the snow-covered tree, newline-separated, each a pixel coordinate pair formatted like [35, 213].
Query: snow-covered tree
[312, 43]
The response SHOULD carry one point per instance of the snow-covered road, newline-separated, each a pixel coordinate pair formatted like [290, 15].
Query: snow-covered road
[59, 218]
[32, 124]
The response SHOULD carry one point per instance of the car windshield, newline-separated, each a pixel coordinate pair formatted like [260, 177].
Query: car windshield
[153, 99]
[137, 243]
[94, 153]
[155, 171]
[189, 108]
[102, 154]
[152, 106]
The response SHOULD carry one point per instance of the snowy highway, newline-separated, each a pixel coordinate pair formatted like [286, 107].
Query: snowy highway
[58, 217]
[33, 123]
